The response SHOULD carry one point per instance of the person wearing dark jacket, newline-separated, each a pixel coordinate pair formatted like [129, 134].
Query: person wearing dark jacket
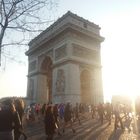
[56, 114]
[101, 112]
[49, 122]
[76, 113]
[18, 131]
[68, 117]
[8, 120]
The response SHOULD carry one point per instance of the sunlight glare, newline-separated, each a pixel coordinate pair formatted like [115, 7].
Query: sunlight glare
[120, 55]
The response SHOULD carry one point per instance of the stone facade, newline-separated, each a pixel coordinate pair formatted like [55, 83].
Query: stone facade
[65, 64]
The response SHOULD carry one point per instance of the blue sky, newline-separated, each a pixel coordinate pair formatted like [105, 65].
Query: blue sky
[119, 21]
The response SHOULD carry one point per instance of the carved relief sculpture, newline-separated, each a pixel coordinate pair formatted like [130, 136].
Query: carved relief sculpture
[83, 52]
[60, 52]
[60, 82]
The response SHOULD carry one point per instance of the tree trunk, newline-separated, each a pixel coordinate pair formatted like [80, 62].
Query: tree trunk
[1, 39]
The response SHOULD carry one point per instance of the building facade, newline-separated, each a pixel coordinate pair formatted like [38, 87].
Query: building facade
[65, 62]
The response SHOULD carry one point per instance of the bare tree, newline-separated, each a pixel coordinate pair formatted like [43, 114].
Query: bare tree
[21, 16]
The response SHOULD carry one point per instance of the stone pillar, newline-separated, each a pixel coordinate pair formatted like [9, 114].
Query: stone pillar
[32, 88]
[98, 86]
[93, 89]
[74, 83]
[66, 84]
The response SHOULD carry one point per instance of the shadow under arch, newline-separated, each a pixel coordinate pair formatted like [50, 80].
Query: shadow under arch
[85, 80]
[46, 69]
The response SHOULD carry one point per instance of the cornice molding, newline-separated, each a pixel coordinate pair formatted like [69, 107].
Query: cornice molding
[62, 63]
[62, 94]
[75, 16]
[74, 61]
[36, 73]
[67, 27]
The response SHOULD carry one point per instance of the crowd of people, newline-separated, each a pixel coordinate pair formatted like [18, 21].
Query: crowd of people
[11, 116]
[57, 118]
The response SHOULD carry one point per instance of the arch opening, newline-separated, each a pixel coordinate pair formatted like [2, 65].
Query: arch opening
[46, 69]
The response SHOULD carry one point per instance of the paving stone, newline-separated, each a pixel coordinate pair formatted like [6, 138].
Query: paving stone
[90, 130]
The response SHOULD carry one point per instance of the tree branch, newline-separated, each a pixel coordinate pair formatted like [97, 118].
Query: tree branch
[22, 16]
[20, 42]
[27, 9]
[23, 29]
[1, 25]
[12, 44]
[3, 4]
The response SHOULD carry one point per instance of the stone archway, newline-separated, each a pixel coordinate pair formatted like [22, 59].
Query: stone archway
[85, 79]
[46, 69]
[65, 52]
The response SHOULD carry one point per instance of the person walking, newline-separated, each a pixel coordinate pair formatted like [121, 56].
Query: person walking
[19, 105]
[108, 112]
[56, 115]
[118, 118]
[101, 112]
[43, 109]
[93, 111]
[76, 113]
[49, 122]
[9, 119]
[68, 117]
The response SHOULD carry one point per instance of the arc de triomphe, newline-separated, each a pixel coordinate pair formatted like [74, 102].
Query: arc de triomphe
[65, 63]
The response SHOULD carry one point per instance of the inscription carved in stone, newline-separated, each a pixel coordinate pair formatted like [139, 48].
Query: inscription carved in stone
[60, 52]
[80, 51]
[60, 82]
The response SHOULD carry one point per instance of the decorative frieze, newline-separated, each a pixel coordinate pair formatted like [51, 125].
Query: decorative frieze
[60, 52]
[83, 52]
